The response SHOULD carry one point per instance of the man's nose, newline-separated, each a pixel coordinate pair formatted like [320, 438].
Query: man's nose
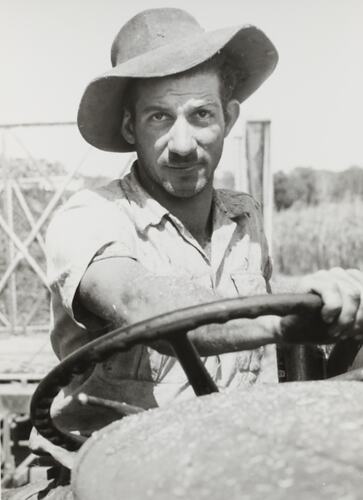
[181, 138]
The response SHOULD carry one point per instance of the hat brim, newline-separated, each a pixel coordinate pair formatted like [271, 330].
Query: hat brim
[100, 110]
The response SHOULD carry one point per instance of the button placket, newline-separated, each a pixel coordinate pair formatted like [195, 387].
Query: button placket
[188, 237]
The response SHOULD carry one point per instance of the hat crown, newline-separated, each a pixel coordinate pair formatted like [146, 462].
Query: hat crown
[150, 30]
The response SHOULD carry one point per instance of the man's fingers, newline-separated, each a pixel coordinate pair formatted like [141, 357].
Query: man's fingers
[351, 301]
[322, 284]
[341, 293]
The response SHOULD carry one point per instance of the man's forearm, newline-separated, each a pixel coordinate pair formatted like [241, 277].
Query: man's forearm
[236, 335]
[148, 295]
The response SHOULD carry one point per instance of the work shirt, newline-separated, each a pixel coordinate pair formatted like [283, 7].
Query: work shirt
[123, 220]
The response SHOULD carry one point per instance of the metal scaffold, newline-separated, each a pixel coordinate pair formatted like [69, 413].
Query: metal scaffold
[24, 214]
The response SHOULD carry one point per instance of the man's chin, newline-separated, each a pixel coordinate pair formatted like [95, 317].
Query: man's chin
[184, 192]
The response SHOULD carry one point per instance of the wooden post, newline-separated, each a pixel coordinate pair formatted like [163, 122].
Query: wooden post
[240, 178]
[259, 173]
[260, 186]
[268, 185]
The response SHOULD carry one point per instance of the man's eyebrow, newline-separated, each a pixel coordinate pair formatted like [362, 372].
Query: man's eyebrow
[202, 103]
[149, 108]
[194, 105]
[205, 104]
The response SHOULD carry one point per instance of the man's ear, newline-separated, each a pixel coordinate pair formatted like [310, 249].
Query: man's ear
[127, 127]
[231, 115]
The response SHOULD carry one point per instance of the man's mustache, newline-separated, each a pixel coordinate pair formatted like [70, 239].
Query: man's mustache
[183, 160]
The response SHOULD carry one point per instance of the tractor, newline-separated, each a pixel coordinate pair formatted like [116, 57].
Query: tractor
[299, 439]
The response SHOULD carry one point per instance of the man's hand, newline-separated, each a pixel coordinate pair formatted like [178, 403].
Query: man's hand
[342, 313]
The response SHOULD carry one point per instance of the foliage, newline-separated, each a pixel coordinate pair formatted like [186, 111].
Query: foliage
[284, 191]
[25, 168]
[308, 238]
[307, 186]
[348, 182]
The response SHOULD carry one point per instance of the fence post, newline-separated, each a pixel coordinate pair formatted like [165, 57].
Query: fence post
[259, 173]
[240, 177]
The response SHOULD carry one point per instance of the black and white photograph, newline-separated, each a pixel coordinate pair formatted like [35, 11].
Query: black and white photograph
[181, 264]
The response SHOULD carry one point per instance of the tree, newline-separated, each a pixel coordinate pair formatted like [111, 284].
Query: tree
[283, 191]
[348, 184]
[305, 186]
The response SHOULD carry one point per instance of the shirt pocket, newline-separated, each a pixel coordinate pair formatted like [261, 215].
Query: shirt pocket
[248, 284]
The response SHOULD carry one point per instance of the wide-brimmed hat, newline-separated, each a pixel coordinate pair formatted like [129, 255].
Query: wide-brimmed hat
[163, 42]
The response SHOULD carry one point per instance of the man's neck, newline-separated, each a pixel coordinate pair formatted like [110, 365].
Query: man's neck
[195, 212]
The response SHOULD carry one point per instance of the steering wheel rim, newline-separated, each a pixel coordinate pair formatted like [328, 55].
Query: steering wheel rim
[169, 326]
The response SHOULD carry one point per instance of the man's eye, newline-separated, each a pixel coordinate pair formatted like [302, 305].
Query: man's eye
[203, 114]
[158, 117]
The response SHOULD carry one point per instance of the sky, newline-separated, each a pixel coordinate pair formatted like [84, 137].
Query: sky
[51, 49]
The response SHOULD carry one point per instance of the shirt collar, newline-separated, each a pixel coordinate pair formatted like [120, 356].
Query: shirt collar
[145, 210]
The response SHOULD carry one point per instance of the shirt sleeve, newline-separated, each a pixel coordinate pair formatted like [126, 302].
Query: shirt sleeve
[88, 226]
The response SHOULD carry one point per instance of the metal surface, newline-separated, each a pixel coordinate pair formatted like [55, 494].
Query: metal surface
[22, 222]
[171, 326]
[301, 362]
[342, 356]
[122, 409]
[279, 442]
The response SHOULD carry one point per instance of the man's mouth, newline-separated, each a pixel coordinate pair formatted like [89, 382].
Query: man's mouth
[183, 166]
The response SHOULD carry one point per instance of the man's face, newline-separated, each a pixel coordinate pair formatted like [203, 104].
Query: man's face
[178, 128]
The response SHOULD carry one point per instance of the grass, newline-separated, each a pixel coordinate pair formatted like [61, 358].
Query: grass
[320, 237]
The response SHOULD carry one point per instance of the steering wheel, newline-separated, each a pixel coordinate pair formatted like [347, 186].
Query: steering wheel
[172, 327]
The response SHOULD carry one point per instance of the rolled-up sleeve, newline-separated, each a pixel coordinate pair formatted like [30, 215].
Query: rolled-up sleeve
[85, 227]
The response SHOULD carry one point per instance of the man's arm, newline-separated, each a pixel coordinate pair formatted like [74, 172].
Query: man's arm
[138, 295]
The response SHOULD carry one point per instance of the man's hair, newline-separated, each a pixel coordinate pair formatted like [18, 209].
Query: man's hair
[227, 72]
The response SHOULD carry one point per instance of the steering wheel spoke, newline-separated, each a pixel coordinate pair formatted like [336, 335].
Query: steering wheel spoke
[196, 372]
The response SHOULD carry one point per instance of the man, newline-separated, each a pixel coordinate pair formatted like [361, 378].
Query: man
[162, 238]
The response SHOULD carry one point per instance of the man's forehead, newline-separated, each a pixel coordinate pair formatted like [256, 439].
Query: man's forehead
[196, 88]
